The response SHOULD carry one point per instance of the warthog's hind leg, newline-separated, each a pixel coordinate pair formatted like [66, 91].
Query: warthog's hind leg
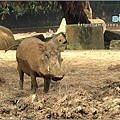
[21, 81]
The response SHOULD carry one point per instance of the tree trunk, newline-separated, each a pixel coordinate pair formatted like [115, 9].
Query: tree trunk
[76, 11]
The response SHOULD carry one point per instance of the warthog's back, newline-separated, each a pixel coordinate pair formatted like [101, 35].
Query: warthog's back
[28, 48]
[28, 52]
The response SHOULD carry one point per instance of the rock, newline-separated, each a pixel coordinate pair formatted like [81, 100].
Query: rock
[34, 98]
[4, 110]
[62, 99]
[78, 109]
[93, 110]
[115, 44]
[21, 105]
[76, 100]
[84, 37]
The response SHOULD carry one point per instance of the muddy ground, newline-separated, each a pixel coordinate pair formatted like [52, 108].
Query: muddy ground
[89, 90]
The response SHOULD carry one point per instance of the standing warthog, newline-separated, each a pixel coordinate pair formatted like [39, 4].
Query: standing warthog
[6, 38]
[39, 59]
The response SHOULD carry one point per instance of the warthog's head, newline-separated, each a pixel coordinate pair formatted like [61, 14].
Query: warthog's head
[50, 61]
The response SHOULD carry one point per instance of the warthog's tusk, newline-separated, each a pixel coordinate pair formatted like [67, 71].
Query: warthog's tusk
[48, 68]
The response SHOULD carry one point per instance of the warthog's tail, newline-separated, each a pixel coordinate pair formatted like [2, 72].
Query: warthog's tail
[11, 47]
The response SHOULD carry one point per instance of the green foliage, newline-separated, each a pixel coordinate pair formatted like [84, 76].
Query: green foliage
[18, 8]
[5, 11]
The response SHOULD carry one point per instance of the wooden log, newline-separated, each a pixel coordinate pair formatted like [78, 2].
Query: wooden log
[88, 36]
[59, 39]
[18, 41]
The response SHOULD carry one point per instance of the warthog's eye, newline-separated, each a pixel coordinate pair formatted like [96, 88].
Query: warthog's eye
[47, 55]
[60, 40]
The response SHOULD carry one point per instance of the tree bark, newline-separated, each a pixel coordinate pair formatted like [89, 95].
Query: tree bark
[75, 11]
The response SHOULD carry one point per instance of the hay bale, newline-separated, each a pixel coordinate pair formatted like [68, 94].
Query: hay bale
[6, 38]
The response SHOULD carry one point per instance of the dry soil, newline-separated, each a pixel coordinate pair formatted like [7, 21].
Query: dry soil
[89, 90]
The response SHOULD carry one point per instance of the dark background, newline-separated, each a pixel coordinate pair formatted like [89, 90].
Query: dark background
[102, 9]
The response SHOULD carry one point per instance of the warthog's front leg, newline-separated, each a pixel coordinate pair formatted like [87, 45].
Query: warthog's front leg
[34, 84]
[46, 84]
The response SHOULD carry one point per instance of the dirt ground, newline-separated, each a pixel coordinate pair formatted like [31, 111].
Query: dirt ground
[89, 90]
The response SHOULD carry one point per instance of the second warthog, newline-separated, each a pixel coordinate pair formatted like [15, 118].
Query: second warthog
[39, 59]
[6, 38]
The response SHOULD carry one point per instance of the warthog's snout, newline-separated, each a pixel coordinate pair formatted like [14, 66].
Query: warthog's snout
[57, 78]
[56, 72]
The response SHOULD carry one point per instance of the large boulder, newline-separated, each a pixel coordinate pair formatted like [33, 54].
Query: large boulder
[84, 37]
[6, 38]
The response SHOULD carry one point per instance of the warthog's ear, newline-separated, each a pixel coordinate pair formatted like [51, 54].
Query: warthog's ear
[62, 47]
[41, 47]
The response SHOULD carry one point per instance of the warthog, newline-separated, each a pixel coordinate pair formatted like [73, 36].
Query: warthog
[39, 59]
[6, 38]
